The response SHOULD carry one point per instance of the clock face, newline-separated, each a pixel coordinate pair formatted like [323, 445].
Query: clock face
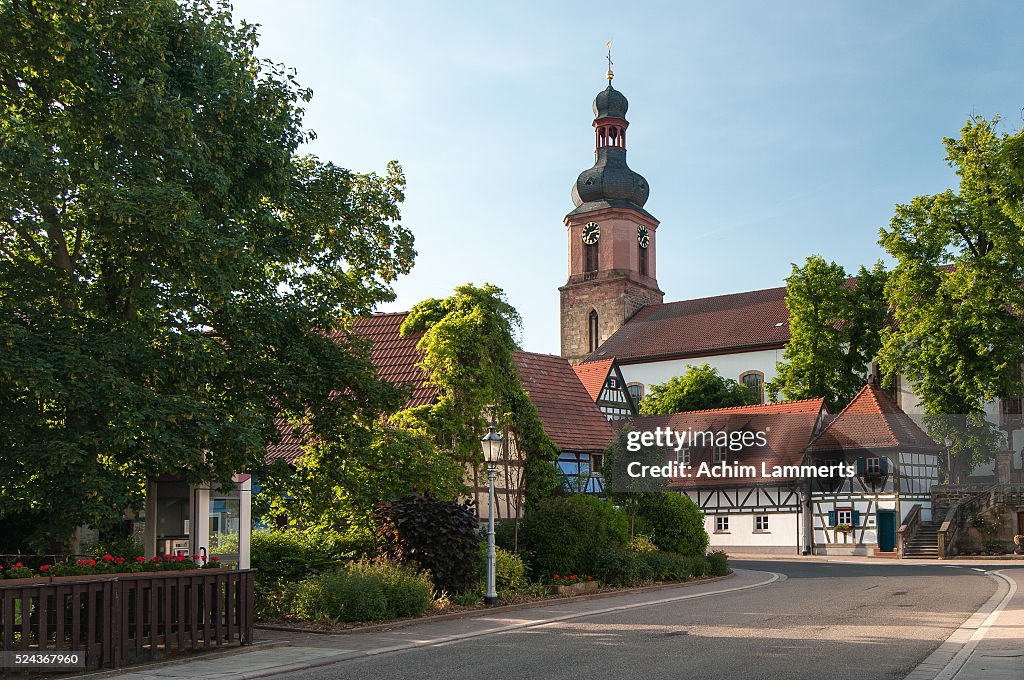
[591, 233]
[643, 236]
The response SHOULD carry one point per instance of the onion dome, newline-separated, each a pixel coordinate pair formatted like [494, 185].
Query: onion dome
[610, 181]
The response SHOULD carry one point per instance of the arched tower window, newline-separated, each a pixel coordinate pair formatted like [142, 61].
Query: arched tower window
[592, 330]
[590, 257]
[641, 259]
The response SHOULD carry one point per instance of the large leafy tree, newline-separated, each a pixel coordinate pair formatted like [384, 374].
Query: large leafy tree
[835, 329]
[957, 291]
[172, 273]
[701, 387]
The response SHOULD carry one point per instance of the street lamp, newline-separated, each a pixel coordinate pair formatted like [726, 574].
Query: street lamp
[491, 443]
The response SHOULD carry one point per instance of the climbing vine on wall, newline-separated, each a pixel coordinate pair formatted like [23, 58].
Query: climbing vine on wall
[468, 346]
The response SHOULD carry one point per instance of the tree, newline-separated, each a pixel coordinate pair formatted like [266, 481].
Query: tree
[957, 291]
[835, 327]
[699, 388]
[172, 274]
[468, 343]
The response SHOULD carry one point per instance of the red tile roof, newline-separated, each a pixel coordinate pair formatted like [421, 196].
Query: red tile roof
[567, 411]
[394, 356]
[788, 428]
[289, 449]
[593, 375]
[569, 414]
[871, 421]
[738, 322]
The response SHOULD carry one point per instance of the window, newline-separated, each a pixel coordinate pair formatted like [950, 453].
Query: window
[592, 328]
[642, 259]
[719, 454]
[721, 523]
[636, 391]
[754, 381]
[579, 473]
[873, 467]
[590, 257]
[683, 456]
[844, 516]
[761, 523]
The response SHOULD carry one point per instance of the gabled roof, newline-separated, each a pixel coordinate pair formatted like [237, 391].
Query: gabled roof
[570, 417]
[568, 413]
[721, 324]
[871, 421]
[788, 427]
[395, 356]
[593, 375]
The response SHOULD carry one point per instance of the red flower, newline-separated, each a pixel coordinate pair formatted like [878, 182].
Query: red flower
[108, 558]
[156, 558]
[140, 559]
[168, 555]
[44, 567]
[203, 558]
[82, 562]
[590, 578]
[92, 563]
[215, 558]
[195, 557]
[119, 560]
[18, 565]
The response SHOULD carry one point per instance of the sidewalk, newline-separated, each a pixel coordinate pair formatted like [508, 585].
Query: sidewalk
[990, 644]
[309, 650]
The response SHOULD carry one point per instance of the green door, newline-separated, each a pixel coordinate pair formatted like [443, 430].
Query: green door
[886, 530]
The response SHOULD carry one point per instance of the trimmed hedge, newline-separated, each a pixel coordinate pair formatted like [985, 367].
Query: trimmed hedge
[562, 535]
[363, 591]
[673, 522]
[667, 566]
[621, 568]
[718, 563]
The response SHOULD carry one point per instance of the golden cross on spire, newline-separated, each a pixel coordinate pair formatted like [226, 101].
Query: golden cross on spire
[610, 74]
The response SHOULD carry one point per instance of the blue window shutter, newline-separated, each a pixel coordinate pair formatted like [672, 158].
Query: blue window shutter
[831, 518]
[860, 467]
[883, 465]
[856, 518]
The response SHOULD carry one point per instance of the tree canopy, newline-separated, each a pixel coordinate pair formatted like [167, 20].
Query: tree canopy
[835, 329]
[173, 273]
[957, 291]
[701, 387]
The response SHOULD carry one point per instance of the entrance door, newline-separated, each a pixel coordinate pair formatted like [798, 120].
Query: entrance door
[886, 530]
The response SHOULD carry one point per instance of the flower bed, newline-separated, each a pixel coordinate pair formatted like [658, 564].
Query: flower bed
[109, 564]
[572, 585]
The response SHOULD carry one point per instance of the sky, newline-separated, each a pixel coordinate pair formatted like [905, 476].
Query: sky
[768, 132]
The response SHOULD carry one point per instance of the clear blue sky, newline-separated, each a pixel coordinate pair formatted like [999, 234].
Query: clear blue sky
[767, 131]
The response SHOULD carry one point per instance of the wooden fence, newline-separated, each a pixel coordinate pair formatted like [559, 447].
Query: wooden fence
[118, 619]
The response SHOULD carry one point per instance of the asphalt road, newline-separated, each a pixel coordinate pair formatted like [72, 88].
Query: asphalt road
[826, 620]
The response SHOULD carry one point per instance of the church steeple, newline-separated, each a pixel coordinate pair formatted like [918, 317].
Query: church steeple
[611, 238]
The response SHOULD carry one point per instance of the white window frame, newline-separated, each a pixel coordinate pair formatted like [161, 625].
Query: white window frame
[761, 523]
[720, 454]
[873, 466]
[721, 524]
[844, 516]
[683, 456]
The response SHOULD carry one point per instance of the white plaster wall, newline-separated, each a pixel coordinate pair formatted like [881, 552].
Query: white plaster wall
[729, 365]
[782, 531]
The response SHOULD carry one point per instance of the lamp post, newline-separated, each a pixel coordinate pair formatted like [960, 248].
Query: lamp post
[491, 443]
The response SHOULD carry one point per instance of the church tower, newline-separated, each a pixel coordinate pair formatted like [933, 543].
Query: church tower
[612, 240]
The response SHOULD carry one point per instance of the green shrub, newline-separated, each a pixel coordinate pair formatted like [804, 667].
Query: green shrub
[504, 534]
[642, 544]
[667, 566]
[699, 566]
[718, 563]
[363, 591]
[618, 567]
[441, 537]
[283, 558]
[674, 522]
[562, 535]
[509, 571]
